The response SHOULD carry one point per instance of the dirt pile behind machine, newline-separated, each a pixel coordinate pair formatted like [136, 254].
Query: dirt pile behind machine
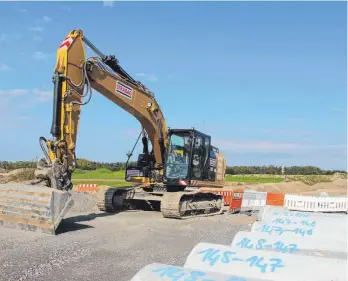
[174, 163]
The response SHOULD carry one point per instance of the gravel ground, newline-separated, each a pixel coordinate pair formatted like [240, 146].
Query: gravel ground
[92, 245]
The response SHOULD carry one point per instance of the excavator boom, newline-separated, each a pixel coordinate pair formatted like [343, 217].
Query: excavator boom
[75, 77]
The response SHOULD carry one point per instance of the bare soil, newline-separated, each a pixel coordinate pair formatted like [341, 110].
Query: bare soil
[92, 245]
[337, 187]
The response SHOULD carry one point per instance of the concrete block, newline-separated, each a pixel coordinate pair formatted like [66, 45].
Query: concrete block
[164, 272]
[264, 264]
[253, 200]
[272, 211]
[286, 231]
[304, 220]
[292, 245]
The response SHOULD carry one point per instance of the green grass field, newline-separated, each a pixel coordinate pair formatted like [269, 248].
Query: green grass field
[105, 174]
[98, 174]
[253, 179]
[107, 177]
[109, 183]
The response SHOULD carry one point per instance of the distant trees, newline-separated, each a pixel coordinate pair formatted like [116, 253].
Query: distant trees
[277, 170]
[17, 165]
[85, 164]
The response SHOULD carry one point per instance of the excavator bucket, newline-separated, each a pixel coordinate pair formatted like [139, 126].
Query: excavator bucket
[38, 209]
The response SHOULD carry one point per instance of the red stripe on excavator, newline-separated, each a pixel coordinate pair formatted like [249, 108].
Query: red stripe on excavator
[67, 42]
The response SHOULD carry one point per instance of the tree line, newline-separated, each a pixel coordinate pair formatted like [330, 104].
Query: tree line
[85, 164]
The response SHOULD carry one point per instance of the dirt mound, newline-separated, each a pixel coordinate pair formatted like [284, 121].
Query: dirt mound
[18, 175]
[338, 176]
[83, 202]
[336, 187]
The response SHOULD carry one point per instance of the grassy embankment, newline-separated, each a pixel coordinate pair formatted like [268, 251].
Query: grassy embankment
[107, 177]
[100, 177]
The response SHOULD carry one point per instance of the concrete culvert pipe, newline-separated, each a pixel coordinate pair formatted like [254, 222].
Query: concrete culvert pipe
[267, 265]
[162, 272]
[292, 245]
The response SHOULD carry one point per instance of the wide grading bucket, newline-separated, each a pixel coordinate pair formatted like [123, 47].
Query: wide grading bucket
[38, 209]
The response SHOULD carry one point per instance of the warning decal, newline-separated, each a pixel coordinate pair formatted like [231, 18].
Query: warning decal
[67, 42]
[124, 90]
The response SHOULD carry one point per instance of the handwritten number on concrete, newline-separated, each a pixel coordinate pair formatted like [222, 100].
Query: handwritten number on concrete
[280, 230]
[293, 248]
[195, 276]
[210, 255]
[236, 279]
[244, 243]
[308, 223]
[178, 274]
[298, 215]
[257, 261]
[260, 244]
[170, 272]
[276, 263]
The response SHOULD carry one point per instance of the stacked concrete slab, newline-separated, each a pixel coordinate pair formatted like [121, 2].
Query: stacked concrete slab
[282, 245]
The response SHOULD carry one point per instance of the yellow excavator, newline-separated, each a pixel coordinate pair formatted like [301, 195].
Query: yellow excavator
[167, 177]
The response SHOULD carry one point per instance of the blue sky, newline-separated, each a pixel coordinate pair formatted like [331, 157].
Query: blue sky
[266, 80]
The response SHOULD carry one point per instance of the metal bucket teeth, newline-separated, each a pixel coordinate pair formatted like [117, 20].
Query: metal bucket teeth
[38, 209]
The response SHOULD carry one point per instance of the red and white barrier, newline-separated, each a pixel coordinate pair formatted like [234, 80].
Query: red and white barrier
[87, 187]
[249, 200]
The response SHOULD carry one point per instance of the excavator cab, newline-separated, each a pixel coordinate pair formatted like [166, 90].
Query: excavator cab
[189, 159]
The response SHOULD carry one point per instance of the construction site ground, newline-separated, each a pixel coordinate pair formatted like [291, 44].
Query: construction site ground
[92, 245]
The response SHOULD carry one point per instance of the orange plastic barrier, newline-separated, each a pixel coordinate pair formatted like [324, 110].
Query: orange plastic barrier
[236, 202]
[275, 199]
[227, 194]
[87, 188]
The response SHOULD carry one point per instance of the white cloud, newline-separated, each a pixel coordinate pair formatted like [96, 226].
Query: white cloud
[108, 3]
[35, 94]
[132, 132]
[260, 146]
[66, 8]
[7, 38]
[336, 109]
[4, 67]
[36, 28]
[22, 10]
[148, 76]
[37, 38]
[14, 92]
[46, 19]
[42, 96]
[40, 56]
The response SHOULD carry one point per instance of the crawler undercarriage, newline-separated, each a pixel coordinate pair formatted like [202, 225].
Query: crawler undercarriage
[179, 203]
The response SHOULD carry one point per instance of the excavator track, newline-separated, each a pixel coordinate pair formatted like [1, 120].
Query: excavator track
[110, 199]
[176, 205]
[189, 204]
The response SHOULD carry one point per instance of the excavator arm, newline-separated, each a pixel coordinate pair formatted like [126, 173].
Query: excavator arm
[180, 163]
[75, 77]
